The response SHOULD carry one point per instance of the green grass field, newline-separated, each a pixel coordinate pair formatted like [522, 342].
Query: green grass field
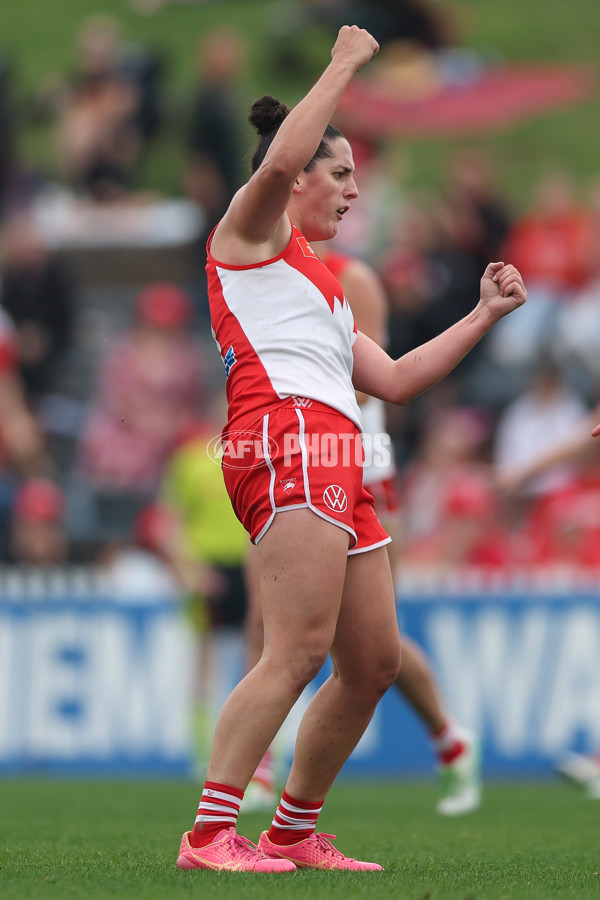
[69, 839]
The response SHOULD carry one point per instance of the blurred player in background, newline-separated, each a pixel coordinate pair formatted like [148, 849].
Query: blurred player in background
[563, 528]
[207, 553]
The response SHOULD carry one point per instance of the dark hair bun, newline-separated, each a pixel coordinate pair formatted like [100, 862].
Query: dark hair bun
[267, 114]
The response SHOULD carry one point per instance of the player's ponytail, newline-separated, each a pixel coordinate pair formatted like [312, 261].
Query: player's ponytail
[266, 115]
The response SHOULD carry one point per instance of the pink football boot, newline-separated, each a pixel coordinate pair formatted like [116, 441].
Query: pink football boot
[316, 852]
[229, 852]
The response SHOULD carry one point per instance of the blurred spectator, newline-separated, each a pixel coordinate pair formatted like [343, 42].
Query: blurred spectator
[419, 22]
[578, 325]
[138, 569]
[212, 171]
[543, 416]
[151, 383]
[422, 42]
[145, 68]
[37, 291]
[431, 278]
[449, 456]
[110, 107]
[38, 536]
[406, 274]
[552, 245]
[102, 51]
[444, 243]
[469, 532]
[419, 42]
[456, 269]
[478, 205]
[562, 528]
[94, 129]
[424, 281]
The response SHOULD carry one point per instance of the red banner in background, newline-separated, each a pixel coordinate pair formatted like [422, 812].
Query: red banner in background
[496, 99]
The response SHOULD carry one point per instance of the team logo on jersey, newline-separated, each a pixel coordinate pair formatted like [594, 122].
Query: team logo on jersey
[335, 498]
[302, 402]
[229, 360]
[307, 250]
[288, 485]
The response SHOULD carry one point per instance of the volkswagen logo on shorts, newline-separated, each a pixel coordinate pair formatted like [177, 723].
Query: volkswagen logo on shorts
[241, 449]
[335, 498]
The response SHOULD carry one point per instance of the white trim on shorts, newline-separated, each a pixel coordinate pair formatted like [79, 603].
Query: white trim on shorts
[305, 481]
[267, 459]
[317, 511]
[388, 540]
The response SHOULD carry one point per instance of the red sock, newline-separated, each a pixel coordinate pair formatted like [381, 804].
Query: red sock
[295, 820]
[448, 743]
[219, 807]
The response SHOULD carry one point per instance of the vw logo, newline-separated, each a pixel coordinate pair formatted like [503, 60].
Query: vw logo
[335, 498]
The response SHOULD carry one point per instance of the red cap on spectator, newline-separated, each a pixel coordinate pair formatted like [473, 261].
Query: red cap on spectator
[164, 304]
[153, 527]
[41, 500]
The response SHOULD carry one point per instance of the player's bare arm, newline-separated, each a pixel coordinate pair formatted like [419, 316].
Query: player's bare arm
[398, 381]
[256, 219]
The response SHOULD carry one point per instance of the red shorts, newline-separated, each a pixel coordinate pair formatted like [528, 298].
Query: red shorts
[302, 454]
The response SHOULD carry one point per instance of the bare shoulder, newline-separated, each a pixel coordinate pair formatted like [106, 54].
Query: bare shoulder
[231, 244]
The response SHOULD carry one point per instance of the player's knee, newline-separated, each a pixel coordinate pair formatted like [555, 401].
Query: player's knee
[381, 672]
[384, 675]
[312, 665]
[306, 665]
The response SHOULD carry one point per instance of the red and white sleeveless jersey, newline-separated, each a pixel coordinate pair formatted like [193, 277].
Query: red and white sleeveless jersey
[284, 329]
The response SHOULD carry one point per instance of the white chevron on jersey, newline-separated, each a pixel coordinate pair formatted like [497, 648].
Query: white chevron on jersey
[288, 330]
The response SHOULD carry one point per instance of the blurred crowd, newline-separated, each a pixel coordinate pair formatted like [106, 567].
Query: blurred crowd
[138, 491]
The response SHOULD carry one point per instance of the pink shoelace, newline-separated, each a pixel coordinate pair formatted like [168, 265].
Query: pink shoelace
[324, 842]
[245, 847]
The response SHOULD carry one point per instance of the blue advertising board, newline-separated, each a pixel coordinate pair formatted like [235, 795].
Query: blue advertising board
[88, 685]
[523, 671]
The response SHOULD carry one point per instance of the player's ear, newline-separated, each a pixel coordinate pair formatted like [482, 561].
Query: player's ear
[298, 183]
